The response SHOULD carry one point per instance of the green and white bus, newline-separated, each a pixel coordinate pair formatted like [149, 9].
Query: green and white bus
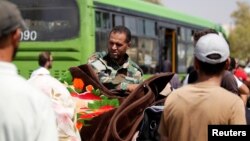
[74, 29]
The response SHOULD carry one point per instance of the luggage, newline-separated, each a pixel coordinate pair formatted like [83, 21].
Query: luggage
[120, 124]
[150, 123]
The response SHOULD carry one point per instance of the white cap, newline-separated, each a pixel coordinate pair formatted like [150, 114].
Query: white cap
[211, 44]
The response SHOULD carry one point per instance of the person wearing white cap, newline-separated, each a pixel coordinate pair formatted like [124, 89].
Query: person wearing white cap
[26, 113]
[228, 80]
[190, 109]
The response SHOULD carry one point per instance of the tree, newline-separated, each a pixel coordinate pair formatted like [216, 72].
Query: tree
[240, 35]
[154, 1]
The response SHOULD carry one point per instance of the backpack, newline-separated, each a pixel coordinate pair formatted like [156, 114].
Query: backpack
[150, 123]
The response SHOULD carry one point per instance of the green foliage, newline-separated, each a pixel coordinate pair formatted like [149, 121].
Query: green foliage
[66, 77]
[96, 92]
[240, 35]
[104, 102]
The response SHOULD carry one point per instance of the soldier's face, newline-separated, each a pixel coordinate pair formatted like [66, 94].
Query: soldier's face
[117, 45]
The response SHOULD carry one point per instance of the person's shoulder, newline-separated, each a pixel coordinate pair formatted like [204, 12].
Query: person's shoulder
[134, 65]
[229, 82]
[175, 94]
[40, 71]
[96, 56]
[34, 72]
[227, 73]
[228, 77]
[228, 96]
[97, 61]
[182, 90]
[225, 92]
[25, 89]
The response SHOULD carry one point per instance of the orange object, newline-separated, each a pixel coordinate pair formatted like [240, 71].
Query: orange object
[89, 88]
[78, 83]
[79, 125]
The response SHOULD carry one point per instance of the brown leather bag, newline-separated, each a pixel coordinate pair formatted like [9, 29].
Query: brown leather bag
[120, 124]
[87, 74]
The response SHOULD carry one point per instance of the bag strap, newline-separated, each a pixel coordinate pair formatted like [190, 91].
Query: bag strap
[128, 116]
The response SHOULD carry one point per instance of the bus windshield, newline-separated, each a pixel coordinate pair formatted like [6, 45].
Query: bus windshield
[49, 20]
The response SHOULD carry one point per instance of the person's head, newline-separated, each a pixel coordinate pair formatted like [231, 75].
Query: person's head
[199, 34]
[11, 23]
[232, 64]
[119, 42]
[241, 63]
[211, 54]
[45, 59]
[167, 66]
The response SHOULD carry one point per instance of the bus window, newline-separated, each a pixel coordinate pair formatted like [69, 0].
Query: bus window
[101, 41]
[140, 27]
[118, 20]
[150, 28]
[49, 20]
[133, 50]
[103, 24]
[182, 34]
[131, 24]
[181, 58]
[98, 21]
[106, 21]
[148, 55]
[102, 20]
[189, 35]
[190, 54]
[145, 53]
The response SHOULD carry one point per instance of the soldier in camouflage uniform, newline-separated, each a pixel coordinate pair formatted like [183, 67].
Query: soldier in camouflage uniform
[114, 68]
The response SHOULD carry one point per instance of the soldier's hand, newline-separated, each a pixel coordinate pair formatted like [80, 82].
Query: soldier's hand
[119, 79]
[132, 87]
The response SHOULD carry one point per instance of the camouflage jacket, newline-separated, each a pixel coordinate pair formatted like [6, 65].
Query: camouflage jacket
[111, 74]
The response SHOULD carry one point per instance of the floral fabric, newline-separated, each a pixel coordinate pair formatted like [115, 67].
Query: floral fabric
[63, 104]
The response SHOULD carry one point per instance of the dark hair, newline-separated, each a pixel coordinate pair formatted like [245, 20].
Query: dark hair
[122, 29]
[232, 64]
[43, 58]
[190, 69]
[211, 69]
[199, 34]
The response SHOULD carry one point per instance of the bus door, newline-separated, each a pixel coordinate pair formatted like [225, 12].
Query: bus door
[167, 37]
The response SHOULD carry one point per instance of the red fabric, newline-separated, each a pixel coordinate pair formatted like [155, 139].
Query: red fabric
[241, 74]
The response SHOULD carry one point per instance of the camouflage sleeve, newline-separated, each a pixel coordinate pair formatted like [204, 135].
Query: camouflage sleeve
[138, 77]
[99, 67]
[101, 71]
[96, 56]
[92, 58]
[136, 73]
